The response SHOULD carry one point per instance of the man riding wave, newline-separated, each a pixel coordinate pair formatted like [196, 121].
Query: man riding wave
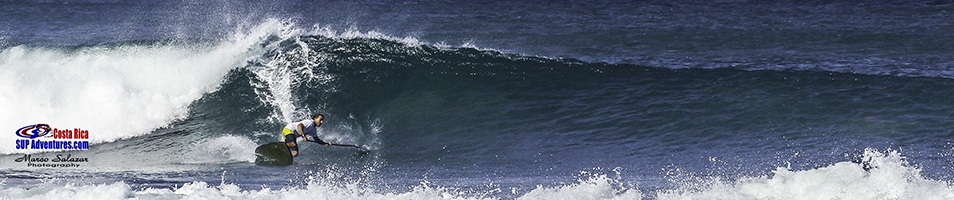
[308, 127]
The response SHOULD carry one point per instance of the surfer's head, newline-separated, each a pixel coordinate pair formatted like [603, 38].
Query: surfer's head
[318, 118]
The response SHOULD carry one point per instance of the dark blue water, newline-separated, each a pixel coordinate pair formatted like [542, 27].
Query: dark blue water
[487, 100]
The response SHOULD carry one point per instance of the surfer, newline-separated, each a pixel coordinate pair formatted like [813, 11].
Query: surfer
[308, 127]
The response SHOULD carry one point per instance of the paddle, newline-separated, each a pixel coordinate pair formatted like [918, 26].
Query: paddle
[344, 145]
[333, 144]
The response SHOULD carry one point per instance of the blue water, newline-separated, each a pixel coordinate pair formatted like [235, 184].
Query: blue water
[484, 99]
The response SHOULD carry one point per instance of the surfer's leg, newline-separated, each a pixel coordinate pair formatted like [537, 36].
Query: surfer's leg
[292, 144]
[291, 141]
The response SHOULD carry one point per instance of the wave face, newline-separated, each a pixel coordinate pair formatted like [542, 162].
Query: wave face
[482, 123]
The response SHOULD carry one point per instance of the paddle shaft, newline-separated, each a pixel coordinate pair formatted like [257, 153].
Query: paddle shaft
[333, 144]
[345, 145]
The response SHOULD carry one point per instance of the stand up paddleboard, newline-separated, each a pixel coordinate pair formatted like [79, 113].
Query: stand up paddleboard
[277, 154]
[273, 154]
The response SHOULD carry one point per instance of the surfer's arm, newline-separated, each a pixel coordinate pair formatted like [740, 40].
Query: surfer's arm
[316, 140]
[304, 137]
[301, 128]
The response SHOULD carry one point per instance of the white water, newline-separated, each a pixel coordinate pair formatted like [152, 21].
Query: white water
[282, 72]
[127, 90]
[889, 178]
[119, 91]
[220, 150]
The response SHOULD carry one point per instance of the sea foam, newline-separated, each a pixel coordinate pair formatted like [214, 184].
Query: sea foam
[887, 176]
[879, 175]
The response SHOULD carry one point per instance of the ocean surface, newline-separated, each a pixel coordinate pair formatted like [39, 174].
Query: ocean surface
[482, 99]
